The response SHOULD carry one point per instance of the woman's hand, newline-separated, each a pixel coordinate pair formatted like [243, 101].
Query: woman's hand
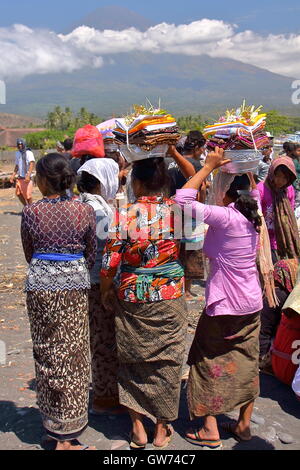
[252, 180]
[172, 152]
[216, 159]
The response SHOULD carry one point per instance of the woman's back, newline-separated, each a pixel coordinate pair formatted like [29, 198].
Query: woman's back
[58, 226]
[144, 238]
[231, 242]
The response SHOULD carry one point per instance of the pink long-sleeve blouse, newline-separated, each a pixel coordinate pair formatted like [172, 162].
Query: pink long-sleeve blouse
[233, 286]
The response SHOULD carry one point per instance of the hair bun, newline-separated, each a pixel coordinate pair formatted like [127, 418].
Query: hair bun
[249, 208]
[56, 170]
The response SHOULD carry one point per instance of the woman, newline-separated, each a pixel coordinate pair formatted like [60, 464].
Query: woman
[191, 257]
[59, 241]
[151, 319]
[285, 276]
[285, 357]
[278, 204]
[98, 184]
[224, 356]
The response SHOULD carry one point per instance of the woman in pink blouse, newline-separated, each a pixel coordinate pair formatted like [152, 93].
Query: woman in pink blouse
[224, 371]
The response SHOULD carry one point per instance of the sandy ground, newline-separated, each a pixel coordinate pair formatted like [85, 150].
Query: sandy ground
[277, 411]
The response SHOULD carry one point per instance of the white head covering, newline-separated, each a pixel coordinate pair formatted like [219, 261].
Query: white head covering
[106, 171]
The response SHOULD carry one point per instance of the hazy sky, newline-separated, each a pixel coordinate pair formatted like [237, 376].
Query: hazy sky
[263, 16]
[265, 34]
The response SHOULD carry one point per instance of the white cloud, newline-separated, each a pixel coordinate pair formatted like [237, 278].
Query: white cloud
[25, 51]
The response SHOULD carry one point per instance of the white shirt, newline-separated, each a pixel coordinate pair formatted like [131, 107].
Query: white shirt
[23, 163]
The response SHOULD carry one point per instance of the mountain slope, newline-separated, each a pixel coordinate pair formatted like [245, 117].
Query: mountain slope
[185, 85]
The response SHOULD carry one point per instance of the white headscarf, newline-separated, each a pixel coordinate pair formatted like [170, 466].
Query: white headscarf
[106, 171]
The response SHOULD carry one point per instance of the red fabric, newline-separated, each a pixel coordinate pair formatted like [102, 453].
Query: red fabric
[88, 141]
[288, 332]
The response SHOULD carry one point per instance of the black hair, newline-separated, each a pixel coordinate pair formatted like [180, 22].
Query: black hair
[68, 144]
[86, 158]
[56, 170]
[87, 183]
[289, 147]
[153, 175]
[195, 139]
[244, 203]
[240, 183]
[249, 208]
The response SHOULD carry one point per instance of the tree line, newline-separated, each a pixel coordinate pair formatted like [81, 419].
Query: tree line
[62, 123]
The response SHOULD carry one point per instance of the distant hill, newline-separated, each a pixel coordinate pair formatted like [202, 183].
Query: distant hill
[17, 121]
[113, 17]
[185, 84]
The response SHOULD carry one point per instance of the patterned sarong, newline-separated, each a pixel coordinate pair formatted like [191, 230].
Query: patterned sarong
[60, 336]
[151, 347]
[224, 359]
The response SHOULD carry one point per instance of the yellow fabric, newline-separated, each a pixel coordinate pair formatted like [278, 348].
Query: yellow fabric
[168, 119]
[293, 302]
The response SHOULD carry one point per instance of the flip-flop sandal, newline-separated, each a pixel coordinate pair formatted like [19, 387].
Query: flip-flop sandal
[205, 443]
[228, 427]
[170, 434]
[134, 446]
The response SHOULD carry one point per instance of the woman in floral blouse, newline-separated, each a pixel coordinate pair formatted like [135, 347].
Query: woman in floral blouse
[151, 318]
[59, 241]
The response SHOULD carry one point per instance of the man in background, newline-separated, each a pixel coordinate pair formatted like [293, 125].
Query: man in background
[25, 163]
[264, 164]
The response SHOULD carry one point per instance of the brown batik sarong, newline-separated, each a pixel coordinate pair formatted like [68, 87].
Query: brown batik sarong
[224, 360]
[103, 351]
[151, 347]
[193, 264]
[60, 336]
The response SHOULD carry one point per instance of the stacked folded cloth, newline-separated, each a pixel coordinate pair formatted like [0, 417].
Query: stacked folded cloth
[241, 129]
[106, 129]
[147, 129]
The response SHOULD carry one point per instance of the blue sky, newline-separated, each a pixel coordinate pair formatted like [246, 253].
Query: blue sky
[263, 16]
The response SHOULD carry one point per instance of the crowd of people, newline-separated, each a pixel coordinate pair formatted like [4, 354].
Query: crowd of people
[110, 274]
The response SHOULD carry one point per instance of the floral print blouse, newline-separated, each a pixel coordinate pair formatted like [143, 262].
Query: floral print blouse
[143, 237]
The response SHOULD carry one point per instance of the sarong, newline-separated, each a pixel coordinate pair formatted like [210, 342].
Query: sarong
[151, 347]
[103, 352]
[60, 336]
[224, 360]
[193, 264]
[24, 189]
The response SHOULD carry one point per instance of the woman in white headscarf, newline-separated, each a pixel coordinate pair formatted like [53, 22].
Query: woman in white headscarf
[98, 185]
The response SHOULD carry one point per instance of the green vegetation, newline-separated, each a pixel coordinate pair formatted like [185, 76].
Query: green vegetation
[277, 123]
[64, 120]
[64, 123]
[45, 140]
[191, 123]
[61, 123]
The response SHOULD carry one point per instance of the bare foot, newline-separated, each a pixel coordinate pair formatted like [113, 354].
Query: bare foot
[139, 439]
[189, 297]
[237, 430]
[67, 445]
[163, 435]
